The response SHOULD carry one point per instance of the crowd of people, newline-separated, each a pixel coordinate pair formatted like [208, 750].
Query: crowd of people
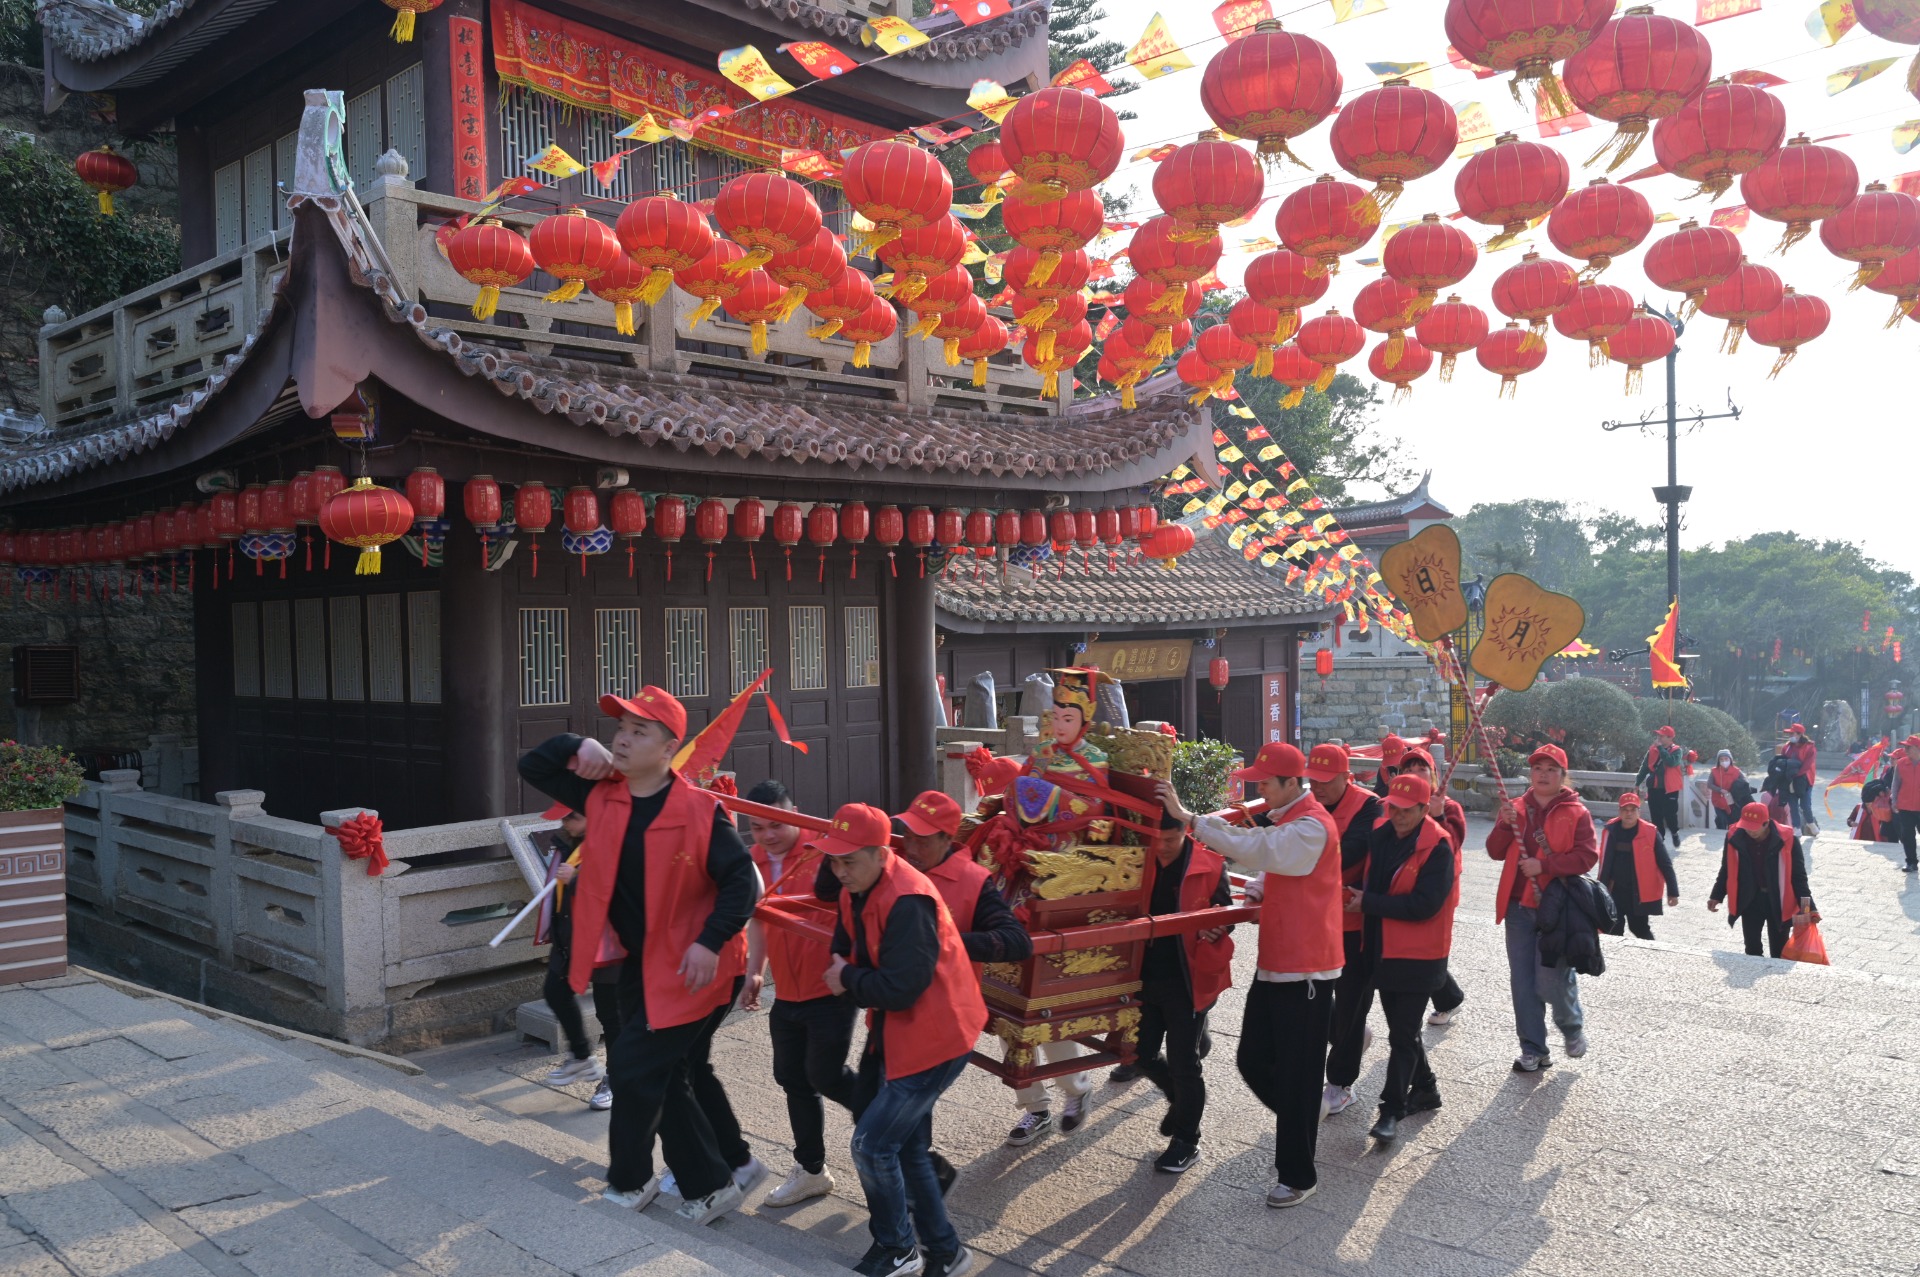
[1356, 889]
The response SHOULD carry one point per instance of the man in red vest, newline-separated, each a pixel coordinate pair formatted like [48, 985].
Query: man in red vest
[664, 867]
[1392, 749]
[1452, 818]
[1906, 797]
[1663, 772]
[1799, 793]
[1406, 901]
[1548, 834]
[1763, 879]
[1634, 865]
[1284, 1033]
[1354, 809]
[811, 1028]
[897, 952]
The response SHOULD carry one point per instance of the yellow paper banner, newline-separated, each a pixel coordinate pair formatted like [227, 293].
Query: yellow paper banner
[989, 97]
[1833, 19]
[892, 35]
[1155, 54]
[1348, 10]
[557, 162]
[1476, 128]
[747, 67]
[1847, 77]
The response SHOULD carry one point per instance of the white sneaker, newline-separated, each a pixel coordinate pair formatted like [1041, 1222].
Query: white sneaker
[1440, 1018]
[1030, 1127]
[602, 1097]
[800, 1185]
[567, 1072]
[637, 1199]
[752, 1175]
[1335, 1099]
[704, 1210]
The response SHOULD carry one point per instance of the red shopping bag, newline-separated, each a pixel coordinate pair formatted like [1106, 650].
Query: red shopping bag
[1806, 945]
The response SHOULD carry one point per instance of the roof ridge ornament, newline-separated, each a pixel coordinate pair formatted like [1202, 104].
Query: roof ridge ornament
[319, 159]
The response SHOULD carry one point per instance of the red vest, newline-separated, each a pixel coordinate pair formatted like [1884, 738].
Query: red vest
[680, 895]
[1561, 822]
[798, 962]
[1343, 813]
[1724, 778]
[958, 879]
[1300, 916]
[1427, 937]
[1646, 867]
[944, 1022]
[1789, 903]
[1908, 799]
[1209, 966]
[1668, 778]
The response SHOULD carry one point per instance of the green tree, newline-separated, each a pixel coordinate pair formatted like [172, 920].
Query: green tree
[1332, 436]
[1073, 32]
[1546, 541]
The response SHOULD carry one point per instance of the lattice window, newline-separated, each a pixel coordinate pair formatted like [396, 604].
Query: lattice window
[276, 648]
[528, 122]
[349, 664]
[363, 136]
[283, 153]
[423, 645]
[807, 649]
[687, 651]
[616, 650]
[228, 232]
[246, 649]
[543, 656]
[863, 647]
[674, 168]
[731, 166]
[748, 649]
[310, 649]
[406, 120]
[386, 665]
[597, 142]
[257, 179]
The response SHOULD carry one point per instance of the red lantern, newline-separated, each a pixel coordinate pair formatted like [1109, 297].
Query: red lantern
[251, 519]
[427, 494]
[823, 525]
[1900, 280]
[1058, 141]
[923, 528]
[575, 249]
[855, 523]
[1402, 368]
[957, 325]
[986, 341]
[1533, 290]
[1207, 380]
[1158, 253]
[1324, 220]
[225, 507]
[712, 279]
[366, 517]
[1391, 135]
[750, 524]
[1086, 529]
[789, 525]
[488, 254]
[300, 497]
[1147, 518]
[814, 267]
[1161, 311]
[1222, 348]
[1726, 131]
[1112, 526]
[627, 517]
[877, 322]
[710, 525]
[1166, 544]
[1218, 672]
[922, 253]
[532, 513]
[1127, 520]
[1428, 256]
[943, 295]
[1387, 306]
[1260, 327]
[1059, 531]
[889, 529]
[1330, 340]
[663, 234]
[1639, 68]
[1599, 222]
[1026, 271]
[1692, 260]
[1749, 292]
[1526, 37]
[1296, 370]
[765, 214]
[1877, 226]
[1033, 527]
[1053, 229]
[1272, 86]
[1323, 662]
[1596, 313]
[1800, 184]
[987, 163]
[623, 284]
[670, 525]
[480, 498]
[1505, 351]
[107, 172]
[580, 513]
[1509, 184]
[848, 299]
[756, 303]
[1286, 282]
[1797, 320]
[1640, 341]
[982, 528]
[897, 186]
[1206, 183]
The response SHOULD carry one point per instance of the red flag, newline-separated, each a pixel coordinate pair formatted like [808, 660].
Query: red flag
[971, 12]
[779, 724]
[1082, 75]
[1663, 649]
[707, 748]
[1907, 184]
[1759, 79]
[819, 60]
[1706, 11]
[1860, 770]
[1235, 18]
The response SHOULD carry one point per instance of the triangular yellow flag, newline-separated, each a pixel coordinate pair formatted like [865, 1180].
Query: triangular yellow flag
[989, 97]
[892, 35]
[747, 67]
[557, 162]
[1155, 54]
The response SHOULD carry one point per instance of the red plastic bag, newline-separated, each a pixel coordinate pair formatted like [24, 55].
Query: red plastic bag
[1806, 945]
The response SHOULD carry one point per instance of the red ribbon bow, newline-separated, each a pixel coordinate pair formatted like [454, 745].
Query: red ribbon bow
[360, 839]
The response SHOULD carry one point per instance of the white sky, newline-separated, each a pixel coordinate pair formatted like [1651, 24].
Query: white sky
[1821, 451]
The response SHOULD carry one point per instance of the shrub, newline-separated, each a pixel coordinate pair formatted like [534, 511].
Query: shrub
[1590, 718]
[1200, 769]
[1700, 728]
[33, 777]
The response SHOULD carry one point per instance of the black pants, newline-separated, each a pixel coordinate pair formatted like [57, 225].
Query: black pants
[1283, 1053]
[1637, 922]
[1352, 1004]
[1664, 810]
[810, 1044]
[1407, 1058]
[653, 1094]
[1723, 817]
[712, 1097]
[1765, 913]
[1449, 996]
[1907, 824]
[566, 1008]
[1167, 1019]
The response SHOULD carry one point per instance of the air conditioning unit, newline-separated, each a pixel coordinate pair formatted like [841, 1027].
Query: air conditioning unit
[46, 674]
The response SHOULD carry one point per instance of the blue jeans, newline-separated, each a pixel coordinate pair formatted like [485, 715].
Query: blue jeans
[1536, 987]
[1800, 805]
[890, 1146]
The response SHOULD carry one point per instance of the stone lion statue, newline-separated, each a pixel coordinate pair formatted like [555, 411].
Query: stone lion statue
[1839, 727]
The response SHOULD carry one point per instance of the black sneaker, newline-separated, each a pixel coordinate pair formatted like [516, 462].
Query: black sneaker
[1423, 1101]
[1179, 1156]
[954, 1265]
[866, 1266]
[1206, 1044]
[943, 1172]
[1124, 1073]
[1386, 1128]
[900, 1263]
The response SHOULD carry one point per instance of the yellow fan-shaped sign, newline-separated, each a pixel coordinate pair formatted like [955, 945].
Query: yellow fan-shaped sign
[1525, 625]
[1424, 574]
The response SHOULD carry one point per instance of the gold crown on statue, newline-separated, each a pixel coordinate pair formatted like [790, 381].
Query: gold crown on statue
[1077, 688]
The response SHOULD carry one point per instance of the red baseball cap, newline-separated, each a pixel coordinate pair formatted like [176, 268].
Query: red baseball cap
[1416, 754]
[1796, 729]
[932, 813]
[1911, 740]
[856, 825]
[1276, 759]
[1391, 747]
[1549, 754]
[1407, 790]
[653, 702]
[1630, 799]
[1664, 731]
[1755, 817]
[1328, 761]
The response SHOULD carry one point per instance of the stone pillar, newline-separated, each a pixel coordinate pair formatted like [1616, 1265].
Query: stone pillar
[918, 694]
[476, 681]
[356, 937]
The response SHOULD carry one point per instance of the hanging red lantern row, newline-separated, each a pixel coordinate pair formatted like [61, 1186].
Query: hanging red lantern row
[1428, 256]
[1406, 366]
[1206, 184]
[1794, 322]
[1055, 228]
[1526, 39]
[662, 235]
[490, 255]
[627, 519]
[1875, 227]
[1750, 291]
[1323, 221]
[1729, 129]
[1507, 352]
[1058, 141]
[1800, 184]
[1450, 330]
[1692, 260]
[1271, 85]
[897, 186]
[575, 249]
[1390, 136]
[1642, 340]
[1510, 184]
[1532, 290]
[1598, 223]
[1639, 67]
[765, 213]
[923, 253]
[1595, 314]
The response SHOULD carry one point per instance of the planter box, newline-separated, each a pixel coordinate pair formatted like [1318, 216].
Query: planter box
[33, 895]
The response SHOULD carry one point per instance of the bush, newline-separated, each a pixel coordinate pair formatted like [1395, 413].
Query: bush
[35, 777]
[1200, 769]
[1590, 718]
[1700, 728]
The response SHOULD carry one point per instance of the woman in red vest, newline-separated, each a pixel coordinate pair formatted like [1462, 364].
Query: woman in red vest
[1763, 879]
[1406, 903]
[1906, 797]
[664, 867]
[1452, 818]
[1720, 778]
[1634, 865]
[897, 953]
[1664, 773]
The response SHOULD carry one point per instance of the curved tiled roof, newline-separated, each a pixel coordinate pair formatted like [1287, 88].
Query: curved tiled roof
[990, 37]
[1212, 583]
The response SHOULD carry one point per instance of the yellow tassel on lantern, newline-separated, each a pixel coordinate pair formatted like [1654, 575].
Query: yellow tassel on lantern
[1050, 388]
[1730, 340]
[758, 333]
[1402, 392]
[1780, 364]
[567, 291]
[1634, 380]
[1868, 272]
[908, 287]
[1041, 313]
[703, 311]
[1509, 388]
[1160, 345]
[980, 373]
[1127, 399]
[486, 302]
[1367, 210]
[1325, 378]
[369, 562]
[1043, 267]
[1902, 308]
[1625, 141]
[873, 237]
[1273, 151]
[1047, 190]
[1294, 397]
[754, 260]
[790, 301]
[659, 280]
[106, 198]
[1198, 396]
[826, 330]
[1447, 361]
[1043, 344]
[402, 33]
[1194, 232]
[1535, 338]
[924, 326]
[623, 318]
[1168, 302]
[1263, 362]
[950, 351]
[1396, 347]
[861, 350]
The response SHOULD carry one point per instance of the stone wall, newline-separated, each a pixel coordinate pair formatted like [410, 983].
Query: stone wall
[1367, 697]
[136, 669]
